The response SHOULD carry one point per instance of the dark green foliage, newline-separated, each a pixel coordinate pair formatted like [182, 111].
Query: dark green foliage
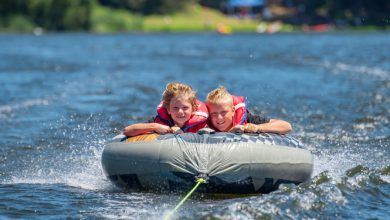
[55, 15]
[148, 7]
[353, 12]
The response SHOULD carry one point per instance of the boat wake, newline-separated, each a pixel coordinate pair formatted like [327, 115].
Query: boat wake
[68, 155]
[11, 108]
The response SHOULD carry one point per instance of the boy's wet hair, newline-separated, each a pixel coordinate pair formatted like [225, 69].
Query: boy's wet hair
[219, 95]
[176, 89]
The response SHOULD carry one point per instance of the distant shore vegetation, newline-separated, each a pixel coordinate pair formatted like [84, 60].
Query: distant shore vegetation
[107, 16]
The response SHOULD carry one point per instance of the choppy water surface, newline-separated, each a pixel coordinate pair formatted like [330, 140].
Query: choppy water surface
[63, 96]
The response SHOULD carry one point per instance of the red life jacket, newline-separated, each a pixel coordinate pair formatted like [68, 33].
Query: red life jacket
[239, 117]
[197, 121]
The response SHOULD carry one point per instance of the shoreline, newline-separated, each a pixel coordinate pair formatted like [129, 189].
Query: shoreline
[334, 31]
[192, 20]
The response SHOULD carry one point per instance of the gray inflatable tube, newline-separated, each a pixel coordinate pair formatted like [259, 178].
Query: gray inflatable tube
[231, 163]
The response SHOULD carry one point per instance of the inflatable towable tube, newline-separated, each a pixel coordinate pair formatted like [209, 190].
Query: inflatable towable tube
[231, 163]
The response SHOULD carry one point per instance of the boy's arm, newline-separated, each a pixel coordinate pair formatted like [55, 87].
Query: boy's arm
[259, 124]
[142, 128]
[273, 126]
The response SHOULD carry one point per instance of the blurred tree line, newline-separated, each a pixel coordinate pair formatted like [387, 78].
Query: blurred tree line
[148, 7]
[74, 15]
[344, 12]
[60, 15]
[347, 12]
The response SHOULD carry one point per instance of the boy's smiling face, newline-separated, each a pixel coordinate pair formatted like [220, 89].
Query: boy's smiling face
[221, 115]
[180, 110]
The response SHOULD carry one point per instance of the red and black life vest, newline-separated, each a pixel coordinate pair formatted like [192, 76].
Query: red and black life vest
[240, 112]
[197, 121]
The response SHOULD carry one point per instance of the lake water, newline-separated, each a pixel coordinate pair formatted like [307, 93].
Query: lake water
[63, 96]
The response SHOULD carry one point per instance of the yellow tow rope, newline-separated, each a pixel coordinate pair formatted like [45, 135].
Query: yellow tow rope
[198, 182]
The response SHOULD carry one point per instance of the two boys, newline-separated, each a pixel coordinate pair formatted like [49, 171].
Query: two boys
[180, 111]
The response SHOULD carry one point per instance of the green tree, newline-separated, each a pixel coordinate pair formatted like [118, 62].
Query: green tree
[56, 15]
[148, 7]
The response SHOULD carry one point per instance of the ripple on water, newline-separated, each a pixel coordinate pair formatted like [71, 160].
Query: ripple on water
[66, 94]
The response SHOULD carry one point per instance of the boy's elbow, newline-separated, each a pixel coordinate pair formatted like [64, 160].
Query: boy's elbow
[287, 128]
[127, 133]
[284, 127]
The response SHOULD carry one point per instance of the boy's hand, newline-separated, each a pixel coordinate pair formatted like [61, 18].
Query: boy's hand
[249, 128]
[162, 129]
[237, 129]
[176, 130]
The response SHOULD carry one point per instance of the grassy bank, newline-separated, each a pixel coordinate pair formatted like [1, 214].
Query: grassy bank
[194, 18]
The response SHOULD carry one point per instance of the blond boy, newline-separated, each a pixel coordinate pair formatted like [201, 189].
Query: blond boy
[227, 113]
